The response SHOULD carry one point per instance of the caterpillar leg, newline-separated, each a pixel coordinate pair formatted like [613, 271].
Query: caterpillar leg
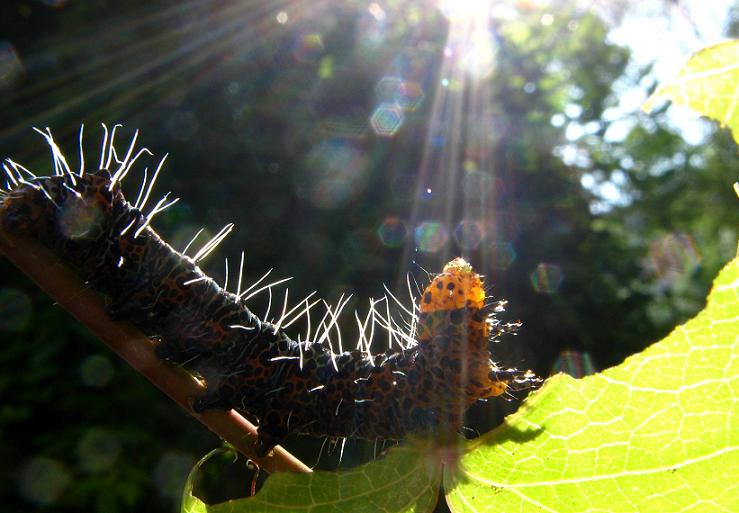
[173, 353]
[123, 309]
[212, 399]
[268, 435]
[512, 380]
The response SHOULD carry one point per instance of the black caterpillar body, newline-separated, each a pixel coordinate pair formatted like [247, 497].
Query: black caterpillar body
[251, 365]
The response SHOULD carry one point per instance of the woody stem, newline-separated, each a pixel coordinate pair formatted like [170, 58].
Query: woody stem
[66, 288]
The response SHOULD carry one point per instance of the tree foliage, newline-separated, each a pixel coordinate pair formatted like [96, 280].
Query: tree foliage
[261, 126]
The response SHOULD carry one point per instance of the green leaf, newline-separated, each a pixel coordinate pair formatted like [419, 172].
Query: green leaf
[404, 480]
[658, 433]
[708, 84]
[190, 503]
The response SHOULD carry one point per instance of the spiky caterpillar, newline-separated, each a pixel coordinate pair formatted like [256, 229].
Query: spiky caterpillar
[252, 365]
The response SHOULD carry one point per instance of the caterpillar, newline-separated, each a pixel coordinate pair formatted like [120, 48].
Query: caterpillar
[249, 364]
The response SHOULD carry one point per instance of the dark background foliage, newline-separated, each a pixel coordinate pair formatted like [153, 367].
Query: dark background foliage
[348, 155]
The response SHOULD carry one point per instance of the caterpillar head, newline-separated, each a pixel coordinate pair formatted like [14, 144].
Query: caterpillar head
[456, 322]
[457, 286]
[454, 301]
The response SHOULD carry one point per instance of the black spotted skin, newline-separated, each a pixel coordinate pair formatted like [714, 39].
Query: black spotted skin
[248, 364]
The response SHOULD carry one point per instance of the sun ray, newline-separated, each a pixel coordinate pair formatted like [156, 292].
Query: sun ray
[191, 42]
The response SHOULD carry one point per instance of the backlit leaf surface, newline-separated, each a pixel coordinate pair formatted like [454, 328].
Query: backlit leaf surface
[708, 84]
[404, 480]
[658, 433]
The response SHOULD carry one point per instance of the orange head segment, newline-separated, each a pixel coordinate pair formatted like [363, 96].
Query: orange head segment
[457, 286]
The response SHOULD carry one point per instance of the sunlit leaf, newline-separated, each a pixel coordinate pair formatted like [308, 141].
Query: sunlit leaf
[658, 433]
[404, 480]
[708, 84]
[190, 503]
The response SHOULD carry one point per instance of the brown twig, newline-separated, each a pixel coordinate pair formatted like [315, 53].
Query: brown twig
[66, 288]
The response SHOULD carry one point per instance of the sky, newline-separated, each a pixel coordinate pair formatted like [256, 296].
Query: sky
[663, 34]
[668, 41]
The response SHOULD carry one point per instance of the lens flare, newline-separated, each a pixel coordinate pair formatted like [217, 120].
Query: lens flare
[502, 255]
[547, 278]
[471, 41]
[461, 133]
[96, 371]
[10, 64]
[15, 310]
[469, 234]
[387, 119]
[672, 256]
[44, 480]
[98, 450]
[430, 236]
[392, 232]
[575, 363]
